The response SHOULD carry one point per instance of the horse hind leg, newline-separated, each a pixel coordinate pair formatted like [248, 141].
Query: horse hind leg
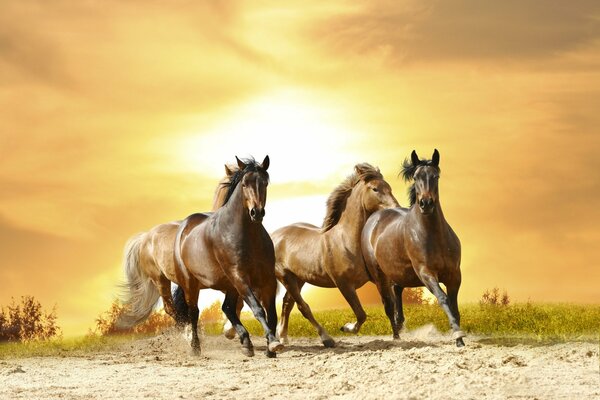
[164, 288]
[230, 307]
[385, 291]
[191, 298]
[228, 329]
[351, 297]
[286, 309]
[293, 286]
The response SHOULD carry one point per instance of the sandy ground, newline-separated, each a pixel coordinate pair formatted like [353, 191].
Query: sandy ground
[423, 364]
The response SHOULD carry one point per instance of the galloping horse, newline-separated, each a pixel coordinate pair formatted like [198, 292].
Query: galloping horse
[331, 256]
[230, 250]
[415, 247]
[150, 268]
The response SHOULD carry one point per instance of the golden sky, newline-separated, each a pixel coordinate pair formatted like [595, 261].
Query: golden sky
[117, 116]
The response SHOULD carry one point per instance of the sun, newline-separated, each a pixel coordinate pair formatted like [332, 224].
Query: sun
[305, 136]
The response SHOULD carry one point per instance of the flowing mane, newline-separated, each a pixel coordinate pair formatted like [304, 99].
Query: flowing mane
[408, 172]
[223, 186]
[336, 202]
[231, 182]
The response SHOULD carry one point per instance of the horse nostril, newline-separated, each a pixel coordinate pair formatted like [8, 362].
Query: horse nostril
[422, 203]
[253, 212]
[262, 212]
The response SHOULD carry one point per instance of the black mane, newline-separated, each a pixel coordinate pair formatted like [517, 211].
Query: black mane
[236, 177]
[408, 173]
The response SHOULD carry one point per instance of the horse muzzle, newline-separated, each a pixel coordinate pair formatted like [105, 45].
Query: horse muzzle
[257, 214]
[426, 205]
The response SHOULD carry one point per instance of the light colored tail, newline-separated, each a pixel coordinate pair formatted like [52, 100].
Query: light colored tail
[140, 293]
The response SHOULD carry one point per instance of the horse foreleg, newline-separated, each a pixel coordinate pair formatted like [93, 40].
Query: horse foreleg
[434, 287]
[385, 291]
[293, 286]
[286, 309]
[453, 304]
[191, 298]
[231, 309]
[351, 297]
[399, 317]
[273, 345]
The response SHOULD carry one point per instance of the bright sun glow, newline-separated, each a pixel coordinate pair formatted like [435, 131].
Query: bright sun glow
[306, 138]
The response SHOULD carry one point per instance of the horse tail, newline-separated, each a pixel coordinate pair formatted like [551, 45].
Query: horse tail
[182, 315]
[140, 293]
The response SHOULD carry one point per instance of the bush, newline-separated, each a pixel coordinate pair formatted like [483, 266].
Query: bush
[413, 296]
[212, 313]
[492, 298]
[27, 321]
[106, 323]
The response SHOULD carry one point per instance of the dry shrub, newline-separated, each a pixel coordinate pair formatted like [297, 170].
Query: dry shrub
[492, 297]
[106, 323]
[413, 296]
[27, 321]
[212, 313]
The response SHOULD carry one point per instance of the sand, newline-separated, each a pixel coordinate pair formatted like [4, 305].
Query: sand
[423, 364]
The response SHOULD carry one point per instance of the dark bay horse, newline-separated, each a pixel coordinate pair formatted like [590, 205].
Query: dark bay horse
[331, 256]
[149, 265]
[415, 247]
[230, 250]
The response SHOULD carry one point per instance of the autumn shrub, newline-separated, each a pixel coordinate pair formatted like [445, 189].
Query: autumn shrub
[106, 323]
[492, 297]
[27, 321]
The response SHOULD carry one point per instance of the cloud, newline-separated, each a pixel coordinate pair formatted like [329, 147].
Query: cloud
[461, 30]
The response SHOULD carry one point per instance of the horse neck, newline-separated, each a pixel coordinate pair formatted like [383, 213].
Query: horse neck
[433, 223]
[353, 217]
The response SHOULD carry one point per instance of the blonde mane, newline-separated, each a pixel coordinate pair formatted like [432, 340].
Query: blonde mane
[336, 202]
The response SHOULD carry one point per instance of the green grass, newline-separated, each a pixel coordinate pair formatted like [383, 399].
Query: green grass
[539, 321]
[518, 323]
[61, 347]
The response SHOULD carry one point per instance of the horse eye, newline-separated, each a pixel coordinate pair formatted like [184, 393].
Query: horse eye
[375, 190]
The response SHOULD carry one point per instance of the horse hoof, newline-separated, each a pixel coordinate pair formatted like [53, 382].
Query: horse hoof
[195, 351]
[458, 335]
[271, 354]
[229, 330]
[396, 336]
[248, 351]
[275, 346]
[460, 342]
[350, 327]
[329, 343]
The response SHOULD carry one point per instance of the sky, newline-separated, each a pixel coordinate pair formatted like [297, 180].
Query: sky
[118, 116]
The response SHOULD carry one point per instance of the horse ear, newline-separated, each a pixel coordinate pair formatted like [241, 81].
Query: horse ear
[435, 160]
[229, 170]
[240, 163]
[414, 158]
[265, 163]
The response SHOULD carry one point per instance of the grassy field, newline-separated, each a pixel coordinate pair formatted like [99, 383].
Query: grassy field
[530, 322]
[539, 321]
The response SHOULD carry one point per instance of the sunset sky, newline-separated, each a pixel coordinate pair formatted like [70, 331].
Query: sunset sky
[116, 116]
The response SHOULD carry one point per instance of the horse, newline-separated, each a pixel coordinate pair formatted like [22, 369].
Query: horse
[230, 250]
[413, 247]
[330, 256]
[149, 266]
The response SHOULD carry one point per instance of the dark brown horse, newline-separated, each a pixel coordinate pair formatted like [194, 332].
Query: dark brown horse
[415, 247]
[230, 250]
[331, 256]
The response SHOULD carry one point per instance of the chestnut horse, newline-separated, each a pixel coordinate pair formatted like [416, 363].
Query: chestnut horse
[331, 256]
[415, 247]
[230, 250]
[150, 268]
